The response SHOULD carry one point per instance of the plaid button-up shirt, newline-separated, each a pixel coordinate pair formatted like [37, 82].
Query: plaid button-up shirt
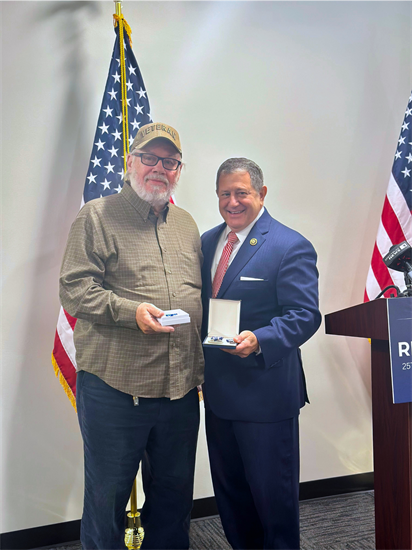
[119, 255]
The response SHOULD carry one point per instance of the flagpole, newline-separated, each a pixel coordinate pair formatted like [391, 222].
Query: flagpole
[134, 532]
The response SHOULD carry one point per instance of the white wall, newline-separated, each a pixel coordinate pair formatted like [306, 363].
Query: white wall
[314, 92]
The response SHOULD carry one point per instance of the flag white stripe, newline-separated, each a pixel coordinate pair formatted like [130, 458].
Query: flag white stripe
[372, 285]
[399, 206]
[383, 241]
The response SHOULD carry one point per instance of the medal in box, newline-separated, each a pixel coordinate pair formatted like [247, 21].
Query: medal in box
[223, 324]
[174, 317]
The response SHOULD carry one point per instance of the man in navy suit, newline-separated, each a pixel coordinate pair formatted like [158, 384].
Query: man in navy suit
[253, 394]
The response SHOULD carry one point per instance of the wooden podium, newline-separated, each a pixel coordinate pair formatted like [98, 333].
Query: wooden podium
[392, 426]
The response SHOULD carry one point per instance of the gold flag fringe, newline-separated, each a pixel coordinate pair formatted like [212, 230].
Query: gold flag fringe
[63, 382]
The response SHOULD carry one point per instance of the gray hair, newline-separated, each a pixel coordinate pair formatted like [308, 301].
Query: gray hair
[242, 165]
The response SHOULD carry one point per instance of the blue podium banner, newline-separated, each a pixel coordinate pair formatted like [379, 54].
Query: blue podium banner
[400, 344]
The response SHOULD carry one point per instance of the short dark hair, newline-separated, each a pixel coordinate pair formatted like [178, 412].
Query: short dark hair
[242, 165]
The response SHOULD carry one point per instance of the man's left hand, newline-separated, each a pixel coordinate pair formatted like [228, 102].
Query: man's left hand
[246, 342]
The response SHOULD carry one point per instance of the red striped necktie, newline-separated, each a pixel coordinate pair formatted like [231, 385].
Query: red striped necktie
[223, 263]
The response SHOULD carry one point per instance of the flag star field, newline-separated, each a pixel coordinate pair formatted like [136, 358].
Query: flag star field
[106, 168]
[402, 166]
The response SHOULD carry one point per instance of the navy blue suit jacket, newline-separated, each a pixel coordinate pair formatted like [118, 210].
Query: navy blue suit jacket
[282, 311]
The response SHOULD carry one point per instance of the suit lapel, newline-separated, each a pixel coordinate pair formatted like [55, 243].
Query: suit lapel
[247, 251]
[209, 250]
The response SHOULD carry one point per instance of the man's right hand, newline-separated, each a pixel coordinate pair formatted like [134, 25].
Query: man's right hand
[146, 318]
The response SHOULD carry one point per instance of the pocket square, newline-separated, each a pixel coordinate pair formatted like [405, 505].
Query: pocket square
[251, 279]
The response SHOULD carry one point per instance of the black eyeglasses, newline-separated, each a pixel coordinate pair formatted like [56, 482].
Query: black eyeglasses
[151, 160]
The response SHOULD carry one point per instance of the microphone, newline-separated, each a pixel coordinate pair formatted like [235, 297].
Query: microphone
[399, 259]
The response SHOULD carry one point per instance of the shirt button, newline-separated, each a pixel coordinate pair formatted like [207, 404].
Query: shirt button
[164, 250]
[169, 271]
[174, 294]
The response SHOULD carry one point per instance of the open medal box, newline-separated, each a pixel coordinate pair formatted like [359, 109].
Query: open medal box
[223, 323]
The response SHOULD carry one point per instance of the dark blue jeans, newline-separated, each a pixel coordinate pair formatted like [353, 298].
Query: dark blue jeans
[117, 435]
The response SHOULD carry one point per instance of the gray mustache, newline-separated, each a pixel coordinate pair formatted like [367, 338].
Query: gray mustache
[159, 178]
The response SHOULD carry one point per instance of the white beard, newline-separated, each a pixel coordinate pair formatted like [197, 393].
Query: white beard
[155, 198]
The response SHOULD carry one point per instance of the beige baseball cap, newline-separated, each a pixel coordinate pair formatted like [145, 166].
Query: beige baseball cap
[155, 130]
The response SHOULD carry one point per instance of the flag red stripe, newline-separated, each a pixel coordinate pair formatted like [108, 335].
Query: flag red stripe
[65, 365]
[391, 223]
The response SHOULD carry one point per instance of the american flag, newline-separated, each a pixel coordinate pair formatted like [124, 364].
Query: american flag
[396, 220]
[104, 177]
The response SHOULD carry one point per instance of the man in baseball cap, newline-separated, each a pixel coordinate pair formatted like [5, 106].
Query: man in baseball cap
[130, 257]
[154, 164]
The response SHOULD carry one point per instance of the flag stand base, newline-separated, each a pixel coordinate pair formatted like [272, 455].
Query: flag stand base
[134, 533]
